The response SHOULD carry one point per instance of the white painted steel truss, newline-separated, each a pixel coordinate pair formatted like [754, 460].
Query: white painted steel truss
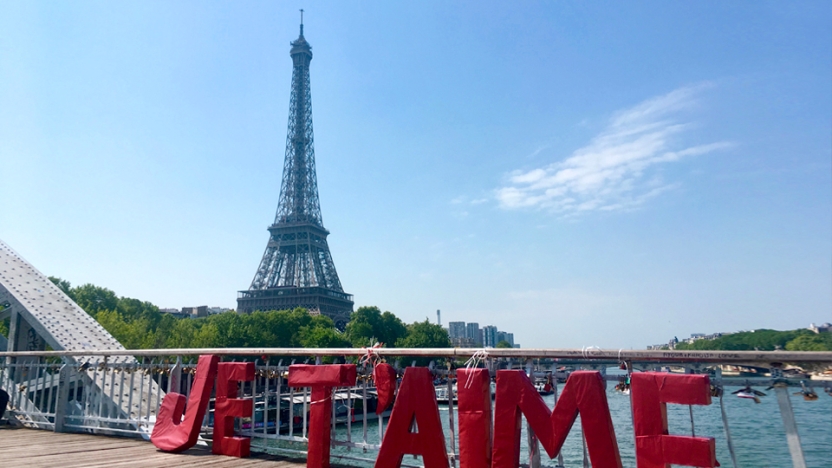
[40, 316]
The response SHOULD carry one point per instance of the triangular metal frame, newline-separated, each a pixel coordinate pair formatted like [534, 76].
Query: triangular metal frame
[42, 315]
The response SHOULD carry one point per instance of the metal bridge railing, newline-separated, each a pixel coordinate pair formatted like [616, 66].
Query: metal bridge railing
[102, 392]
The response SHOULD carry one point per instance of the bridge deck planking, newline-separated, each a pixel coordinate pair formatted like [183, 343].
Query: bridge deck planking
[34, 448]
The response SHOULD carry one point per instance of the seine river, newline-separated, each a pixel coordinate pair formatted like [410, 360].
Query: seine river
[756, 429]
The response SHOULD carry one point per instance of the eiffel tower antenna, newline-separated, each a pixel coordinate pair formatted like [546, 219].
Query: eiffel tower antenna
[301, 21]
[297, 268]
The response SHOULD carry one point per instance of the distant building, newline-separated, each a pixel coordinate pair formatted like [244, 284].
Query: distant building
[489, 333]
[470, 335]
[824, 328]
[472, 332]
[456, 330]
[505, 336]
[176, 313]
[693, 338]
[196, 312]
[463, 342]
[515, 345]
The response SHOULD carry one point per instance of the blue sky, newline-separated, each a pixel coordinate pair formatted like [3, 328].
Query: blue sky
[581, 174]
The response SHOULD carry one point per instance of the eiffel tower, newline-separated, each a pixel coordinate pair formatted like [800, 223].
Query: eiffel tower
[297, 268]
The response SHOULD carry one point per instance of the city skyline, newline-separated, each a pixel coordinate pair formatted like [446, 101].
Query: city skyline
[584, 175]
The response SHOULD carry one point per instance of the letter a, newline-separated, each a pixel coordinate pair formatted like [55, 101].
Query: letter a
[174, 434]
[416, 401]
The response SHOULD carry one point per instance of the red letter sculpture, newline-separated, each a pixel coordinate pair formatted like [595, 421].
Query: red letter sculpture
[416, 402]
[384, 376]
[174, 434]
[651, 391]
[584, 393]
[322, 379]
[474, 392]
[228, 406]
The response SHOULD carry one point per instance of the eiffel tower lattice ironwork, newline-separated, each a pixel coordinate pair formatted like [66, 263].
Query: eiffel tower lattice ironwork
[297, 268]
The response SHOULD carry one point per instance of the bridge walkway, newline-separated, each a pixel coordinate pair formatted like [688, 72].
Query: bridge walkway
[36, 448]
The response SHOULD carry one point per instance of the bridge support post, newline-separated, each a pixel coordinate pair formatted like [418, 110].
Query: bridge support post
[792, 437]
[175, 376]
[14, 318]
[63, 397]
[534, 446]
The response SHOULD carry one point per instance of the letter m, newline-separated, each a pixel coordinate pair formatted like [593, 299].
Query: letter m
[584, 393]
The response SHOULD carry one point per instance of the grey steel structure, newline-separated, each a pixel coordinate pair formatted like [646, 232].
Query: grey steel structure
[297, 268]
[41, 315]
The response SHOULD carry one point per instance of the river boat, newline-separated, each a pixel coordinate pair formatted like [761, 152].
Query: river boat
[348, 406]
[442, 394]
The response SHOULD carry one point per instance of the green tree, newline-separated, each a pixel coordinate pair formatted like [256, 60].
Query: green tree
[424, 335]
[113, 323]
[259, 328]
[762, 340]
[503, 344]
[133, 309]
[231, 330]
[136, 334]
[392, 328]
[287, 324]
[207, 336]
[360, 334]
[322, 334]
[63, 285]
[4, 324]
[182, 334]
[811, 342]
[93, 298]
[368, 326]
[161, 329]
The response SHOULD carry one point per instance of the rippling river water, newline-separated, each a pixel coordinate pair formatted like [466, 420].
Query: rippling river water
[756, 429]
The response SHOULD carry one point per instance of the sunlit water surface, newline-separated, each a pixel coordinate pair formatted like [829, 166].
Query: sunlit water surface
[756, 430]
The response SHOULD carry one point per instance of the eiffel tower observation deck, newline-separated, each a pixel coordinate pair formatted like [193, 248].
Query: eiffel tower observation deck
[297, 268]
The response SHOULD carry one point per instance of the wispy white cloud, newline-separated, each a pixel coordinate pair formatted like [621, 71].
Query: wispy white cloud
[618, 169]
[464, 200]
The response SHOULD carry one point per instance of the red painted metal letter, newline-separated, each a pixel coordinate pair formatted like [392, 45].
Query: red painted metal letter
[174, 434]
[651, 391]
[228, 406]
[584, 392]
[416, 402]
[474, 391]
[322, 379]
